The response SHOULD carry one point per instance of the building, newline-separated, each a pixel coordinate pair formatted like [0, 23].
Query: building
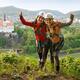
[6, 25]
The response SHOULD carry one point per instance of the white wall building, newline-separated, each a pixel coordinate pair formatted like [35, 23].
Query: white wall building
[6, 25]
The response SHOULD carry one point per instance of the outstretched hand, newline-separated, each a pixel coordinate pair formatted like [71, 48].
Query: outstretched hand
[71, 16]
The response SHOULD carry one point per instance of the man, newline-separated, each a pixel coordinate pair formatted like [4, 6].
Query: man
[55, 36]
[39, 27]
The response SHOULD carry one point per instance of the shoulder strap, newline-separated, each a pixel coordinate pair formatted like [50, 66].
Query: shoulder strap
[37, 30]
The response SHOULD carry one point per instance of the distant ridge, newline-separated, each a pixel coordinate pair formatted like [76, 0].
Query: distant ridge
[14, 12]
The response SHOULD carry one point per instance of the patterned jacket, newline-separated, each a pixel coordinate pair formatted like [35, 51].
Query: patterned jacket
[54, 30]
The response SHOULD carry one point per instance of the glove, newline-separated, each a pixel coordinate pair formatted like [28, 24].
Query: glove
[48, 35]
[71, 16]
[20, 14]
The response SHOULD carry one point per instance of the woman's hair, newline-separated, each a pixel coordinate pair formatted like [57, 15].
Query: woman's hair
[35, 21]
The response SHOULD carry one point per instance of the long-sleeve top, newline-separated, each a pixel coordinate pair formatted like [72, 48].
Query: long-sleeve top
[40, 31]
[54, 29]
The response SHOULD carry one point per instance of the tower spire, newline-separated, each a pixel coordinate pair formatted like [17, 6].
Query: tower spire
[4, 17]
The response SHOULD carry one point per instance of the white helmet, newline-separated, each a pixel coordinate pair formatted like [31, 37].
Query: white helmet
[41, 13]
[49, 15]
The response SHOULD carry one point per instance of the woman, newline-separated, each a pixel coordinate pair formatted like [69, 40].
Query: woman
[56, 37]
[39, 27]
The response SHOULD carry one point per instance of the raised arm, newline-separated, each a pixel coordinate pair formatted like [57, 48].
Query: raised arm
[25, 22]
[68, 23]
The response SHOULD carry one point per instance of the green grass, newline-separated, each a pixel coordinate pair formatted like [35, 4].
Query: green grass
[35, 55]
[75, 55]
[17, 64]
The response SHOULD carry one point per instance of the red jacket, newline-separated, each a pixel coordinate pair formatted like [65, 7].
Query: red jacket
[42, 36]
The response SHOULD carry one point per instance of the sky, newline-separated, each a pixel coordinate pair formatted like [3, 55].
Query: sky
[64, 6]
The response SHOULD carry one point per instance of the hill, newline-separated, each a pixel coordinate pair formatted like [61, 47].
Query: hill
[13, 13]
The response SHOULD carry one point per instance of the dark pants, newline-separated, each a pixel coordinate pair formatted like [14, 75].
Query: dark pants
[43, 49]
[54, 57]
[54, 53]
